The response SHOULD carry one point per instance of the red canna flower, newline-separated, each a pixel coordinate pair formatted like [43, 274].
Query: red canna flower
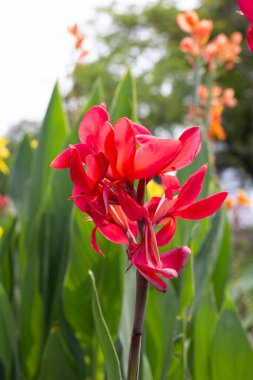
[104, 168]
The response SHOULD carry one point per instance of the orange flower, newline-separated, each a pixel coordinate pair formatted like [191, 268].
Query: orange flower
[189, 46]
[243, 198]
[216, 130]
[188, 21]
[229, 202]
[79, 39]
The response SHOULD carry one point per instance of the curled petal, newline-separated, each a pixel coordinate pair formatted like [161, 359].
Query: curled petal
[166, 233]
[91, 125]
[94, 242]
[152, 157]
[191, 189]
[247, 8]
[250, 37]
[176, 258]
[203, 208]
[191, 144]
[62, 161]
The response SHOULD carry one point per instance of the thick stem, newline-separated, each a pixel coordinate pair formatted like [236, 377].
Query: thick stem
[135, 348]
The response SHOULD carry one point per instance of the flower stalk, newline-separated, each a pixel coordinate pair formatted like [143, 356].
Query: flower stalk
[135, 347]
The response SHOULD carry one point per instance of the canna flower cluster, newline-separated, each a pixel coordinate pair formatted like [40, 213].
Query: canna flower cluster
[79, 40]
[221, 50]
[110, 169]
[212, 104]
[246, 7]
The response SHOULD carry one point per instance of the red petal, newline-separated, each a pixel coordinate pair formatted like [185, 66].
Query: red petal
[191, 144]
[152, 157]
[94, 242]
[247, 8]
[176, 258]
[166, 233]
[132, 209]
[78, 174]
[171, 184]
[191, 189]
[62, 161]
[124, 140]
[152, 206]
[250, 37]
[91, 125]
[144, 138]
[97, 165]
[203, 208]
[140, 130]
[111, 232]
[156, 281]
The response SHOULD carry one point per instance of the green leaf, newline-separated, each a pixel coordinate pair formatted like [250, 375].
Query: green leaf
[58, 362]
[204, 323]
[206, 258]
[109, 271]
[20, 173]
[231, 355]
[161, 321]
[112, 365]
[124, 101]
[222, 267]
[7, 333]
[51, 139]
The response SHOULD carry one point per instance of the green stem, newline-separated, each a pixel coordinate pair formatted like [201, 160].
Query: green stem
[197, 81]
[135, 347]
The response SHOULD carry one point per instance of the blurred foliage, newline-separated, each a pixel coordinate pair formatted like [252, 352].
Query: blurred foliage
[148, 40]
[66, 312]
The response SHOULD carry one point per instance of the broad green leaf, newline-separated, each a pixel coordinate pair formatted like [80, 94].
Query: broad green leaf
[127, 317]
[57, 361]
[7, 333]
[231, 355]
[206, 258]
[187, 292]
[112, 365]
[124, 101]
[204, 323]
[222, 267]
[7, 255]
[109, 271]
[31, 319]
[160, 325]
[51, 139]
[20, 173]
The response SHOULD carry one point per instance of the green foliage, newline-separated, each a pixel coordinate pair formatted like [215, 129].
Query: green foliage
[57, 323]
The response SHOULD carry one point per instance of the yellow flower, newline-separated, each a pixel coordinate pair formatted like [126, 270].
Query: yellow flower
[34, 144]
[154, 189]
[4, 153]
[1, 232]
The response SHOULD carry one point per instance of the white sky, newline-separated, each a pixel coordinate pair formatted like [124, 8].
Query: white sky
[36, 50]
